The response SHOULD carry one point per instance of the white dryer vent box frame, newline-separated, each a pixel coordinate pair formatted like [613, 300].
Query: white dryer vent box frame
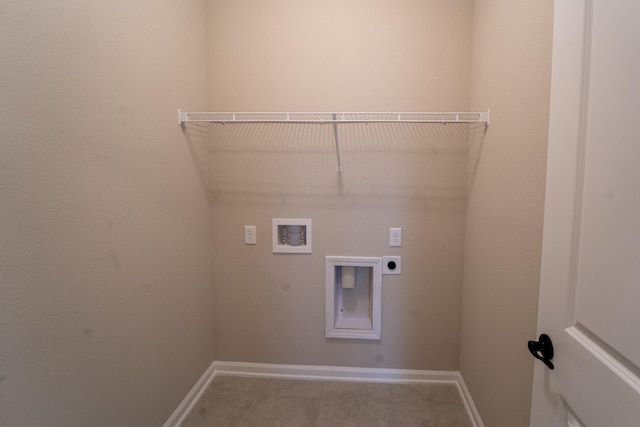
[291, 235]
[353, 312]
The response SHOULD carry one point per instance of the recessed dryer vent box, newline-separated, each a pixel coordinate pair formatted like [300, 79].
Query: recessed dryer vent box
[292, 235]
[353, 297]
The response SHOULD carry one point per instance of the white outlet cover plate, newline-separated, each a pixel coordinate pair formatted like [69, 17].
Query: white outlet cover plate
[395, 236]
[249, 234]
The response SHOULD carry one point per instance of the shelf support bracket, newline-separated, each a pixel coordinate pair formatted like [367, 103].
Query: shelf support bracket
[484, 117]
[182, 117]
[335, 137]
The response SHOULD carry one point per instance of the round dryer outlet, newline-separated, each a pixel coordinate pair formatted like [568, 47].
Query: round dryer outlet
[391, 265]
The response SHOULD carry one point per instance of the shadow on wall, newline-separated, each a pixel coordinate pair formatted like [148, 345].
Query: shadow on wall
[427, 161]
[476, 138]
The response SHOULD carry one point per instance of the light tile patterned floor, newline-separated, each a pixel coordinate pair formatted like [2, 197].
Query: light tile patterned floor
[247, 402]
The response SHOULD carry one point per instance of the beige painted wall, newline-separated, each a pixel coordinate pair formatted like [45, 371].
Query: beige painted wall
[511, 75]
[360, 55]
[105, 276]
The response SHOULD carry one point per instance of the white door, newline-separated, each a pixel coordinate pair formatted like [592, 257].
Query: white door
[590, 280]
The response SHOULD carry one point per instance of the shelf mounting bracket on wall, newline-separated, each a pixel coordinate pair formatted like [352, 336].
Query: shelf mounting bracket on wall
[333, 118]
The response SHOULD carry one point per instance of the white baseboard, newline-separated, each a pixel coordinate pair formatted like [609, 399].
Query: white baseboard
[468, 403]
[325, 373]
[190, 400]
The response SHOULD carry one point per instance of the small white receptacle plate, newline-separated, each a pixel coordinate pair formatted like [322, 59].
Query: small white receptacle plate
[249, 234]
[391, 265]
[395, 236]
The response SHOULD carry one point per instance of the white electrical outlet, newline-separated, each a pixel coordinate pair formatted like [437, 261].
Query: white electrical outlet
[249, 234]
[395, 236]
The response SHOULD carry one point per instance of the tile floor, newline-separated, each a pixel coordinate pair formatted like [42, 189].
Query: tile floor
[246, 402]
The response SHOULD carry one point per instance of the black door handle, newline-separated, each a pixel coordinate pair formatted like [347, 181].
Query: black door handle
[542, 350]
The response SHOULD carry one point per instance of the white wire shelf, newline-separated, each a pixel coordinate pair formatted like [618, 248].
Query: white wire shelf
[332, 118]
[271, 117]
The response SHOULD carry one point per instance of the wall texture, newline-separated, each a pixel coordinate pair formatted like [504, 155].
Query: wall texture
[105, 275]
[511, 75]
[360, 55]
